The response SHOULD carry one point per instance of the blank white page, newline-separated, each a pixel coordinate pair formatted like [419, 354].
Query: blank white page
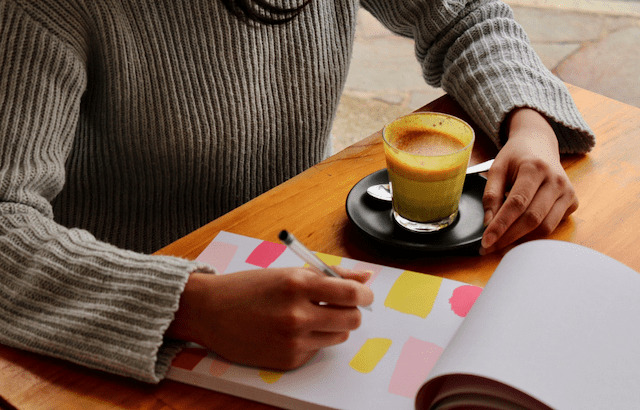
[558, 321]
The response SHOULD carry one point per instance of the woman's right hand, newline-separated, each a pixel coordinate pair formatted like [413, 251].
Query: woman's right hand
[270, 318]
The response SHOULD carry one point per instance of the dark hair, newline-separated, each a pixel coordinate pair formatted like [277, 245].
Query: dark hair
[262, 11]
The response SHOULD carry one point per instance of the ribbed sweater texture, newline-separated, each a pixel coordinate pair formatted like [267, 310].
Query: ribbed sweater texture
[126, 124]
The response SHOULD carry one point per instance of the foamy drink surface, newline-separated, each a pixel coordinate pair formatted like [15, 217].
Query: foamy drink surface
[427, 143]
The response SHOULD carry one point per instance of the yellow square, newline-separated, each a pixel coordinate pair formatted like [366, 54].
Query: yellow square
[414, 293]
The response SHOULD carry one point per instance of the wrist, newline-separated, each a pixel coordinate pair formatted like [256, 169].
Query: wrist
[527, 122]
[184, 324]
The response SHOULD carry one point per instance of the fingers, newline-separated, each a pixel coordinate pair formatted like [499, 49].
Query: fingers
[273, 317]
[362, 277]
[342, 291]
[525, 188]
[532, 207]
[494, 191]
[332, 319]
[333, 313]
[317, 319]
[541, 219]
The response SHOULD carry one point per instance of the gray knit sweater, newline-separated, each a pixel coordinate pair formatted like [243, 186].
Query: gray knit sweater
[126, 124]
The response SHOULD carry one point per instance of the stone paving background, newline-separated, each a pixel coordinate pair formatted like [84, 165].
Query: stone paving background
[592, 44]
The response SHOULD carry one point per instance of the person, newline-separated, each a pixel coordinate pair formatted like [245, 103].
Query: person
[124, 125]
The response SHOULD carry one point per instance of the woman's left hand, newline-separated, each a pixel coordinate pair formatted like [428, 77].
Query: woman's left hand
[528, 170]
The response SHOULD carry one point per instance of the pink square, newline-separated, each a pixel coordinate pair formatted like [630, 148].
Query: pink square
[189, 358]
[463, 298]
[218, 255]
[266, 253]
[417, 358]
[365, 266]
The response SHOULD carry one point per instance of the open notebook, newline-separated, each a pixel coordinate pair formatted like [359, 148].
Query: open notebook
[557, 325]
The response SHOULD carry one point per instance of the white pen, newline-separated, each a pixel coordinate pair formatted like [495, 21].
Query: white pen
[309, 257]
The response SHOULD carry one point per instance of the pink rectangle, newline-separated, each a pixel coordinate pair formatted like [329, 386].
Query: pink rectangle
[463, 298]
[365, 266]
[219, 366]
[265, 254]
[218, 255]
[417, 358]
[189, 358]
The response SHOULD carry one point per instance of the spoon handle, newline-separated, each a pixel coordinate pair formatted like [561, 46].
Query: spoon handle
[481, 167]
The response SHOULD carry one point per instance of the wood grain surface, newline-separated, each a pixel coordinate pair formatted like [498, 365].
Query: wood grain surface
[312, 206]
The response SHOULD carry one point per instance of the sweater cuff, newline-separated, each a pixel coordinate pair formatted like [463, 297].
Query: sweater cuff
[169, 348]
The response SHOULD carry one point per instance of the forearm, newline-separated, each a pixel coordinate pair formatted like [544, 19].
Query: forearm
[480, 55]
[525, 122]
[64, 294]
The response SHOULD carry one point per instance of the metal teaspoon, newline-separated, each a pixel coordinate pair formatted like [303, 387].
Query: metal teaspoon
[381, 191]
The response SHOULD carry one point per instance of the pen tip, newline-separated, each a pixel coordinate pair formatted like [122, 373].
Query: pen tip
[283, 235]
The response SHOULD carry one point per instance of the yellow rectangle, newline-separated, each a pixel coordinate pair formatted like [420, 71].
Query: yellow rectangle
[371, 352]
[414, 293]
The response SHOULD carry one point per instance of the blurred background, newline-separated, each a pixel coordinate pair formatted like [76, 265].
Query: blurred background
[592, 44]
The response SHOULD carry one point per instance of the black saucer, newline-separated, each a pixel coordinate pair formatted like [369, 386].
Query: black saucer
[373, 218]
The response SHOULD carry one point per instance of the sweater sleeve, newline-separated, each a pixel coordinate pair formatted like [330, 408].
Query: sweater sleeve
[476, 52]
[62, 292]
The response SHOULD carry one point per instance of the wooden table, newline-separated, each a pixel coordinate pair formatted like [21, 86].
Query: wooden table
[312, 206]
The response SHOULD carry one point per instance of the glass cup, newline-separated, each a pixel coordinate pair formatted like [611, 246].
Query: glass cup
[427, 157]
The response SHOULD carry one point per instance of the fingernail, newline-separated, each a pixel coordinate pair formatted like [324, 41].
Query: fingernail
[368, 273]
[488, 216]
[488, 240]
